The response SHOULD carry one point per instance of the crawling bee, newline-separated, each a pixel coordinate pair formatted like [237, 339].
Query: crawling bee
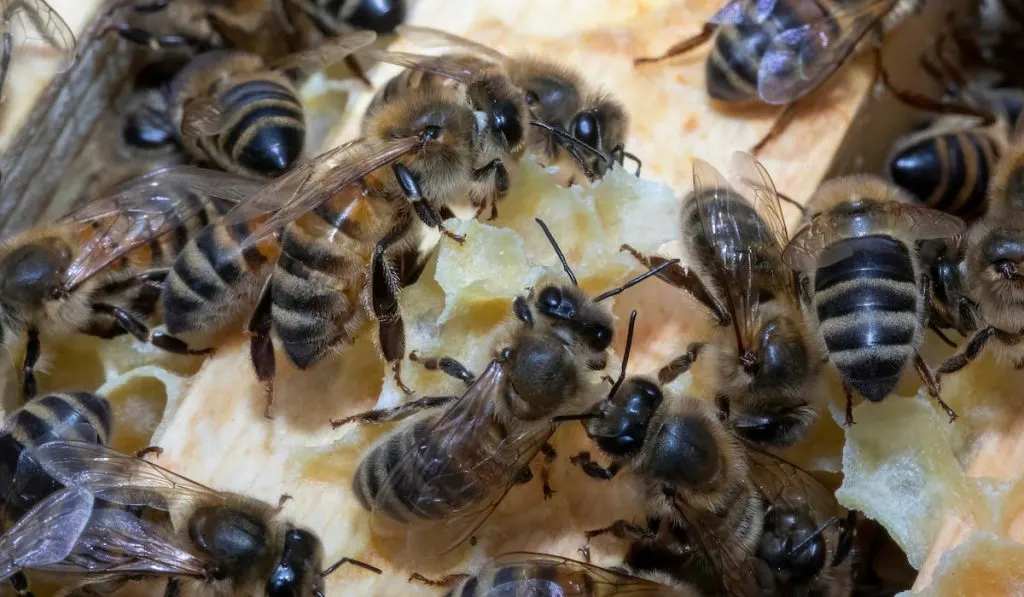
[28, 23]
[722, 514]
[779, 52]
[45, 535]
[864, 284]
[98, 270]
[226, 542]
[76, 416]
[526, 573]
[993, 258]
[765, 371]
[437, 478]
[577, 115]
[951, 307]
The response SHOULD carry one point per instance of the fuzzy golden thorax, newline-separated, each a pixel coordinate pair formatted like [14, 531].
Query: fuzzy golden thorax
[1006, 189]
[848, 195]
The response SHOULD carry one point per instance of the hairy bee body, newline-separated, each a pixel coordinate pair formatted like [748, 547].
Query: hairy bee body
[263, 129]
[71, 416]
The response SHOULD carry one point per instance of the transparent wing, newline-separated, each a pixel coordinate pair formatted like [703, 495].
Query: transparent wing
[741, 12]
[116, 541]
[144, 209]
[327, 53]
[449, 67]
[461, 465]
[733, 235]
[727, 558]
[429, 37]
[784, 483]
[35, 25]
[573, 578]
[205, 116]
[915, 223]
[118, 478]
[309, 184]
[47, 533]
[801, 58]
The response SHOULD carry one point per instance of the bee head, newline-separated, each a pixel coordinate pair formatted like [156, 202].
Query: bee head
[297, 573]
[501, 111]
[574, 317]
[602, 127]
[785, 530]
[625, 417]
[1002, 261]
[33, 274]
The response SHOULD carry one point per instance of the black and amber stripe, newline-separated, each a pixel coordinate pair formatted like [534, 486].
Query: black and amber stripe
[265, 132]
[867, 302]
[78, 416]
[948, 172]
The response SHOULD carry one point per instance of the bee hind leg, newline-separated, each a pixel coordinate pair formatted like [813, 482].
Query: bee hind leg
[261, 347]
[932, 385]
[545, 471]
[137, 328]
[444, 581]
[781, 122]
[20, 584]
[32, 352]
[396, 413]
[681, 47]
[593, 469]
[446, 365]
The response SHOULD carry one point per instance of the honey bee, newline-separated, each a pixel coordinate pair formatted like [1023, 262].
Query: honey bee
[98, 270]
[228, 542]
[23, 487]
[527, 573]
[45, 535]
[951, 307]
[438, 477]
[337, 237]
[722, 513]
[778, 52]
[864, 283]
[572, 113]
[993, 260]
[767, 368]
[34, 24]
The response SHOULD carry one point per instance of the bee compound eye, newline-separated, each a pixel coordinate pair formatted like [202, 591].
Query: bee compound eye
[584, 128]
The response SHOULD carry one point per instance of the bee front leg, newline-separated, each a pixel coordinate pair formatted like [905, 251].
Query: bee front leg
[593, 469]
[501, 184]
[426, 212]
[680, 364]
[32, 352]
[261, 346]
[137, 328]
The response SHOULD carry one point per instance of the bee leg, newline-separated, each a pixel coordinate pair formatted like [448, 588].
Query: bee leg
[974, 347]
[525, 476]
[849, 404]
[444, 581]
[5, 59]
[593, 469]
[923, 102]
[261, 346]
[422, 207]
[932, 385]
[680, 364]
[522, 311]
[584, 553]
[154, 450]
[847, 535]
[384, 298]
[137, 328]
[623, 529]
[396, 413]
[20, 584]
[942, 336]
[545, 470]
[32, 352]
[501, 183]
[173, 588]
[358, 70]
[781, 122]
[446, 365]
[281, 501]
[145, 38]
[683, 46]
[686, 280]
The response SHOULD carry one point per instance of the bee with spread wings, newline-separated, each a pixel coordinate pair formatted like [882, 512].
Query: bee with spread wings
[46, 534]
[438, 477]
[33, 25]
[98, 270]
[570, 113]
[232, 543]
[765, 370]
[778, 51]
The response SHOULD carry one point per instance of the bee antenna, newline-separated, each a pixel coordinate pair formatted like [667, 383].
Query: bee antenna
[565, 136]
[558, 251]
[342, 561]
[818, 531]
[625, 355]
[635, 281]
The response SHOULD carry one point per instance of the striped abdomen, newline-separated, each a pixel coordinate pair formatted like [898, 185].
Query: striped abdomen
[79, 416]
[213, 282]
[948, 172]
[868, 306]
[324, 265]
[413, 474]
[265, 131]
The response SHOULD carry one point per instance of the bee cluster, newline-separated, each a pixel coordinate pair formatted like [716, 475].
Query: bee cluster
[220, 220]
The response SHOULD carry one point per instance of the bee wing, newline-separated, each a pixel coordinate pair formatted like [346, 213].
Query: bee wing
[116, 541]
[725, 217]
[47, 533]
[35, 24]
[743, 12]
[428, 37]
[600, 581]
[309, 184]
[327, 53]
[448, 67]
[458, 470]
[915, 222]
[144, 209]
[801, 58]
[204, 117]
[782, 482]
[118, 478]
